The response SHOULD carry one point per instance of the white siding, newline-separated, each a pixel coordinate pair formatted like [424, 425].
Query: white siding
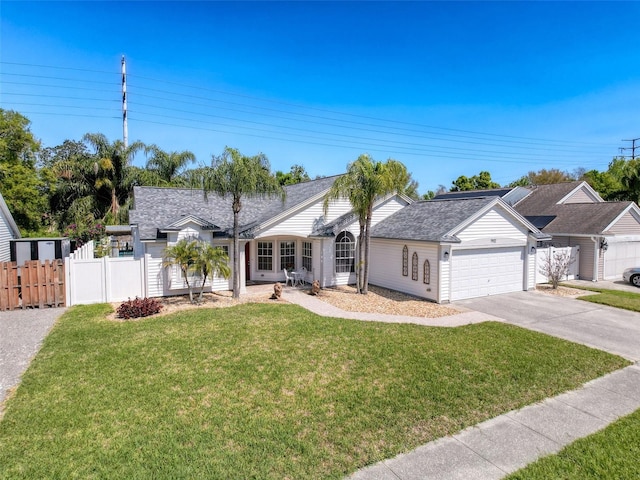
[301, 223]
[444, 267]
[5, 236]
[494, 227]
[154, 272]
[385, 269]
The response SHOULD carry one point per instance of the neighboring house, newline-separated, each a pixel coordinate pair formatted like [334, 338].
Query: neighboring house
[574, 214]
[275, 233]
[8, 231]
[446, 250]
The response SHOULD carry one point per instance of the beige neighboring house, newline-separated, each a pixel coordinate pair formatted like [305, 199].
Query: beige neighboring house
[574, 214]
[8, 231]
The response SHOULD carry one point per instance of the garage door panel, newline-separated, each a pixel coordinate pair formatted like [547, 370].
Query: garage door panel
[619, 256]
[481, 272]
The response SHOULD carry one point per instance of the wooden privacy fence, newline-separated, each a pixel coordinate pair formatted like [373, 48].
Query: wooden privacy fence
[34, 284]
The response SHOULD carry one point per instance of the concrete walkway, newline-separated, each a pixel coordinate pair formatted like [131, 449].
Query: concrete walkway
[21, 335]
[504, 444]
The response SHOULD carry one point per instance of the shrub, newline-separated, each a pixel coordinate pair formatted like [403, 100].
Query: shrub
[139, 307]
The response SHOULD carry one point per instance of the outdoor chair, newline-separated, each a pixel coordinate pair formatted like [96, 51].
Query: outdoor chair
[288, 278]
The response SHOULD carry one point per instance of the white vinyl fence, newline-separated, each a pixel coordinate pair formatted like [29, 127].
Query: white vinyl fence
[544, 253]
[99, 280]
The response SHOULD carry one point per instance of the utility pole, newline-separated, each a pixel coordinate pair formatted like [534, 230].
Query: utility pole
[125, 130]
[632, 147]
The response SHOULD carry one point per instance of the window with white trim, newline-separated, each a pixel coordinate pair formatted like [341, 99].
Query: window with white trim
[265, 256]
[288, 255]
[345, 252]
[307, 258]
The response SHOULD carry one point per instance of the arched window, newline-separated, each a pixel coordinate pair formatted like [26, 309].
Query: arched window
[345, 252]
[414, 267]
[405, 261]
[426, 273]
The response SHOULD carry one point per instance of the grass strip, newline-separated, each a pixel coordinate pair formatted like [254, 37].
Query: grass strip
[610, 453]
[266, 391]
[613, 298]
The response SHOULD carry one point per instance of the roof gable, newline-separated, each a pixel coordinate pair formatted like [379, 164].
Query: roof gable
[186, 219]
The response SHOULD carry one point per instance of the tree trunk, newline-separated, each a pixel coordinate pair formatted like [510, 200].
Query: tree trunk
[236, 249]
[114, 204]
[367, 235]
[359, 280]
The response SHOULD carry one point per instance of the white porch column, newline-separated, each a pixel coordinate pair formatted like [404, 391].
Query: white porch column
[243, 263]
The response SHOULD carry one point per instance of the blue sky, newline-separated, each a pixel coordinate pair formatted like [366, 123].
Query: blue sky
[448, 88]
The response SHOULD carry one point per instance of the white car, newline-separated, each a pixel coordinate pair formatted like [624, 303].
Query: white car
[632, 275]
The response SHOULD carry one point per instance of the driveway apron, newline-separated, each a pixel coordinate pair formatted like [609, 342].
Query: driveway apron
[21, 334]
[611, 329]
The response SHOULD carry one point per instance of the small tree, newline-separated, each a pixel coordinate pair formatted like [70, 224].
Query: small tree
[184, 254]
[556, 266]
[196, 258]
[212, 261]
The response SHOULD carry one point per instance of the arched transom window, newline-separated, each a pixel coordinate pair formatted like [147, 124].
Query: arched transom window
[345, 252]
[405, 261]
[426, 272]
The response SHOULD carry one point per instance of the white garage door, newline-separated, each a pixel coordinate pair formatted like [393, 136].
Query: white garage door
[480, 272]
[620, 255]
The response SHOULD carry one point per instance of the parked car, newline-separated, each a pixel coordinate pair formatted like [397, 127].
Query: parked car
[632, 275]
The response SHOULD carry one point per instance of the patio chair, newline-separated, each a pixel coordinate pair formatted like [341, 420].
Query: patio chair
[288, 278]
[303, 275]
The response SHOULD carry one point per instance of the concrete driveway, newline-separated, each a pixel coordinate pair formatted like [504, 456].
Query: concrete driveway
[611, 329]
[21, 334]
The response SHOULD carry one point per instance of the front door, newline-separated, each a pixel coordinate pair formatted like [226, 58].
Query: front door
[247, 261]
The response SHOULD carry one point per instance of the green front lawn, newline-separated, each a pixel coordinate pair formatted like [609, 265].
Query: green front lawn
[613, 298]
[266, 391]
[611, 453]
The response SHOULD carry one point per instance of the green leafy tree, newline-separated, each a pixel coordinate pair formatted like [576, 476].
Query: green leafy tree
[297, 174]
[113, 181]
[167, 167]
[482, 181]
[365, 181]
[238, 177]
[17, 143]
[20, 183]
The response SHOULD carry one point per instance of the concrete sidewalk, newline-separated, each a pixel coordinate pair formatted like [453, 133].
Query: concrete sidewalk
[504, 444]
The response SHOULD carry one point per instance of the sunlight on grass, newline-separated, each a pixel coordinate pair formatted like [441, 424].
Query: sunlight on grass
[610, 453]
[266, 391]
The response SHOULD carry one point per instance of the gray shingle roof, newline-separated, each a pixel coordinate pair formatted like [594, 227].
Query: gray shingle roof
[584, 218]
[493, 192]
[429, 220]
[159, 207]
[543, 199]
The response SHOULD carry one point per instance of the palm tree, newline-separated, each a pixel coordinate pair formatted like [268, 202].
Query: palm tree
[168, 165]
[212, 261]
[185, 254]
[111, 167]
[237, 176]
[365, 181]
